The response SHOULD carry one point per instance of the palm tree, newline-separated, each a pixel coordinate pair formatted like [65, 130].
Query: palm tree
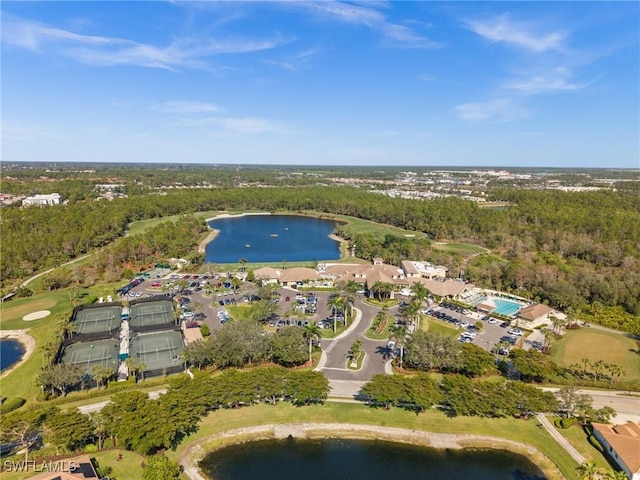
[619, 475]
[613, 369]
[599, 367]
[558, 323]
[348, 291]
[311, 333]
[412, 313]
[141, 368]
[354, 351]
[585, 364]
[382, 290]
[398, 334]
[420, 292]
[243, 264]
[549, 336]
[335, 303]
[587, 471]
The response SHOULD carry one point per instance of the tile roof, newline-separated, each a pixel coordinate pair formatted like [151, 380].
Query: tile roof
[625, 440]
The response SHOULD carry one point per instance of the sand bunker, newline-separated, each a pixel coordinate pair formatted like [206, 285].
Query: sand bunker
[36, 315]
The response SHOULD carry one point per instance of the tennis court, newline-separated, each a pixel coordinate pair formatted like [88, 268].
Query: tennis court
[97, 320]
[89, 354]
[158, 350]
[146, 314]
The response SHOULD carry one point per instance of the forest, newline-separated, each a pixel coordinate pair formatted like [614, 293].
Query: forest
[577, 251]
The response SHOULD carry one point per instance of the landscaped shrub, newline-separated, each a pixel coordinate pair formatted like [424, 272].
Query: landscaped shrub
[11, 405]
[594, 441]
[567, 422]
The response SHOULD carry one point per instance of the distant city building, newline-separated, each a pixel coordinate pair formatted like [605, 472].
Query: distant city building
[43, 200]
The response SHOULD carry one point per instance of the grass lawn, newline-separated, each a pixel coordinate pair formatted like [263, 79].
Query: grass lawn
[598, 345]
[356, 226]
[578, 438]
[142, 226]
[463, 248]
[384, 334]
[20, 382]
[359, 360]
[429, 324]
[130, 467]
[432, 421]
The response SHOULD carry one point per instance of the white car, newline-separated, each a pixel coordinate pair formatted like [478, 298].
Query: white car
[515, 331]
[493, 321]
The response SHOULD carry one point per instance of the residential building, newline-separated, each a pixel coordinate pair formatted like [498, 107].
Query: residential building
[43, 200]
[622, 444]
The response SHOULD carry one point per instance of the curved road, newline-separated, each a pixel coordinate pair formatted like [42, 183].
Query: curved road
[335, 355]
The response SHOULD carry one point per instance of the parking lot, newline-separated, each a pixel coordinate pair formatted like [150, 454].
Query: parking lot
[493, 331]
[197, 303]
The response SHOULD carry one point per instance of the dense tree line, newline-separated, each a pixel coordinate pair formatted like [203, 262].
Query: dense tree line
[133, 421]
[458, 395]
[571, 250]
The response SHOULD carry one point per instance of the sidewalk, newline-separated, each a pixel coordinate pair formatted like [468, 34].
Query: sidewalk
[577, 456]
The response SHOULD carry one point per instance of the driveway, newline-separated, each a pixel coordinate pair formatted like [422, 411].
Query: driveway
[336, 351]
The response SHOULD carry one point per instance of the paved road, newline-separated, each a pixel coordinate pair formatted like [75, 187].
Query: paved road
[627, 408]
[29, 280]
[333, 363]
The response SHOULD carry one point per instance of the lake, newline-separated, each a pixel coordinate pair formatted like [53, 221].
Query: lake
[367, 459]
[272, 238]
[11, 351]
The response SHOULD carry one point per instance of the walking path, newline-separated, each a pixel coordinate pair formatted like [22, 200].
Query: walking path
[564, 443]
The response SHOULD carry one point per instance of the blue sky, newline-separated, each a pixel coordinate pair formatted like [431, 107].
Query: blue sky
[339, 83]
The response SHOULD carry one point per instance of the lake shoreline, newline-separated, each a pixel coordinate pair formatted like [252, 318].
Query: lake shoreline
[195, 452]
[213, 233]
[27, 341]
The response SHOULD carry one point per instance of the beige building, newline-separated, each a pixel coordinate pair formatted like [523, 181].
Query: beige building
[622, 443]
[536, 313]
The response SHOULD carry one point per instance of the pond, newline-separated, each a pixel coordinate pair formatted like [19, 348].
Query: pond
[369, 459]
[11, 351]
[272, 238]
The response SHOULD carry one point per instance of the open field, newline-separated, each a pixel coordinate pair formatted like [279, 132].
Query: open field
[463, 248]
[597, 345]
[429, 324]
[379, 230]
[142, 226]
[432, 421]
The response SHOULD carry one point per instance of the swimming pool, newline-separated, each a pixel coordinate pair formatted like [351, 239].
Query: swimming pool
[503, 307]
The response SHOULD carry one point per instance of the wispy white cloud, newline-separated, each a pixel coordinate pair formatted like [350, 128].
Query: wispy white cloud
[496, 110]
[294, 63]
[523, 34]
[250, 125]
[365, 14]
[112, 51]
[179, 106]
[426, 77]
[557, 80]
